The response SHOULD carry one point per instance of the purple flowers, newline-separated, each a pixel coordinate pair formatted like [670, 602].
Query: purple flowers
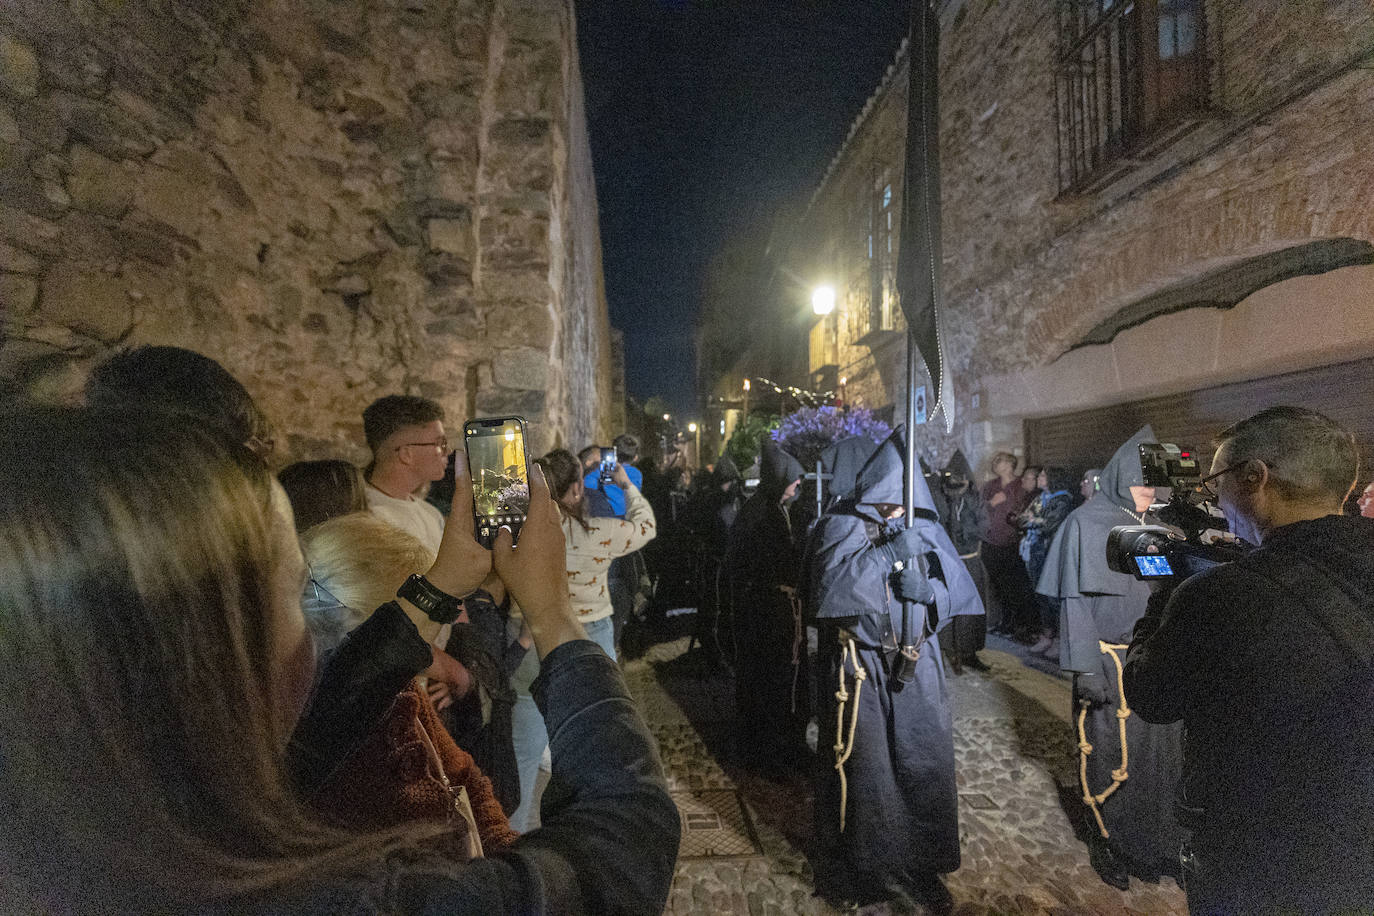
[809, 431]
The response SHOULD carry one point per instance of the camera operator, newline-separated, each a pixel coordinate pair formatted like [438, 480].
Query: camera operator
[1269, 663]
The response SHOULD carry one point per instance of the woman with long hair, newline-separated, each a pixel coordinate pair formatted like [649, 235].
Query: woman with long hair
[154, 661]
[594, 542]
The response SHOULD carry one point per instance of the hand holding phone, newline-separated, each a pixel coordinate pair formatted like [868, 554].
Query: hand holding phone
[495, 448]
[535, 572]
[606, 473]
[461, 564]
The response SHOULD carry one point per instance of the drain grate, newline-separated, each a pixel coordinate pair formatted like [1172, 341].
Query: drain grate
[978, 801]
[715, 825]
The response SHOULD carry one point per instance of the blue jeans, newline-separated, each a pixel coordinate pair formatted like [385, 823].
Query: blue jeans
[602, 632]
[529, 735]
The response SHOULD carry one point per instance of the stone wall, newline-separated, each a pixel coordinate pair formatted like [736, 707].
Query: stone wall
[1028, 272]
[338, 199]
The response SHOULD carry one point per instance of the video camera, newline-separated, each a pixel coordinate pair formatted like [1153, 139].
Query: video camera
[1191, 538]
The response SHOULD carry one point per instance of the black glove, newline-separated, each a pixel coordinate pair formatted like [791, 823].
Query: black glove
[1090, 690]
[911, 584]
[910, 543]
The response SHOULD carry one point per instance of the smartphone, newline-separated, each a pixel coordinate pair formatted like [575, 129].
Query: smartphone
[500, 475]
[607, 471]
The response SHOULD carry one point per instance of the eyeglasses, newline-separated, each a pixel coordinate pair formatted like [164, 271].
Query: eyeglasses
[441, 444]
[1206, 483]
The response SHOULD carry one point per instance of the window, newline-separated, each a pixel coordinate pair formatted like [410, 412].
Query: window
[1127, 71]
[882, 265]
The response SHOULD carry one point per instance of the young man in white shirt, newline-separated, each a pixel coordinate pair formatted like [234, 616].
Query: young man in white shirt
[409, 450]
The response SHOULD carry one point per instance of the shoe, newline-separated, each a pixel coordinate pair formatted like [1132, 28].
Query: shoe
[1107, 865]
[931, 891]
[977, 664]
[1040, 646]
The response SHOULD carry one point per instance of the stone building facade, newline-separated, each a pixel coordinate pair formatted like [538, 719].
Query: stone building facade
[337, 199]
[1217, 242]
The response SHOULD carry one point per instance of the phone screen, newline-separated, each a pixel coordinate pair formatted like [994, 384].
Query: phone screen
[608, 459]
[500, 475]
[1154, 566]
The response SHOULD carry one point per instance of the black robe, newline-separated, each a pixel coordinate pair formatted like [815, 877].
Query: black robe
[1099, 605]
[962, 513]
[762, 566]
[901, 812]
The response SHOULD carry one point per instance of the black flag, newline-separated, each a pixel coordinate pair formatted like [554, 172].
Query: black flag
[918, 261]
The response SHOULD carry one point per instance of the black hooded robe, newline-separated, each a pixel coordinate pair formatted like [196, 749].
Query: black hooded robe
[762, 565]
[901, 818]
[1101, 605]
[962, 516]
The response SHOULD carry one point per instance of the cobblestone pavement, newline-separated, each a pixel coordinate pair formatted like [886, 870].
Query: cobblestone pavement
[1015, 758]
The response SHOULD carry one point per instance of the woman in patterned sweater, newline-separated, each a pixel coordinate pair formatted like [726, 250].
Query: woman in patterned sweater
[594, 542]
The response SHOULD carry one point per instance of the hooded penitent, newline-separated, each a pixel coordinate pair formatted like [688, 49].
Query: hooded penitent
[1098, 611]
[1077, 562]
[761, 570]
[900, 806]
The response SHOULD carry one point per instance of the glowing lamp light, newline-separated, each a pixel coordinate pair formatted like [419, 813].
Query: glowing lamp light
[510, 435]
[823, 300]
[691, 427]
[666, 418]
[746, 384]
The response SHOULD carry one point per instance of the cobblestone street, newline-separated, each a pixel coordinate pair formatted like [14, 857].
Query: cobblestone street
[1015, 760]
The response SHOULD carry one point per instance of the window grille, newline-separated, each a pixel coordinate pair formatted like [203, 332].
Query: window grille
[1127, 71]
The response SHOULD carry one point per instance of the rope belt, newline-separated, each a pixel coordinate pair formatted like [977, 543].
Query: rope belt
[797, 632]
[841, 751]
[1123, 712]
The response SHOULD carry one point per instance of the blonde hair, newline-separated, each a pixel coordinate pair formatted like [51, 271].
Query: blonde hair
[142, 725]
[360, 560]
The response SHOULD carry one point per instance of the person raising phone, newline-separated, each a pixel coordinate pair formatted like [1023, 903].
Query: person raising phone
[160, 563]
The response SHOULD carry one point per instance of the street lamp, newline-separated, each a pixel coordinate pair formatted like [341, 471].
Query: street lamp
[823, 300]
[745, 418]
[696, 431]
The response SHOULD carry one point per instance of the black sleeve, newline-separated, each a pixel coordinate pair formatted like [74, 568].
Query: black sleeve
[1171, 644]
[357, 684]
[610, 830]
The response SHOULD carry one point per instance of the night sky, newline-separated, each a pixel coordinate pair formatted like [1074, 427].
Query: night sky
[706, 117]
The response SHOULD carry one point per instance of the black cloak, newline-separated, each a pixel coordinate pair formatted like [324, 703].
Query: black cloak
[901, 812]
[762, 567]
[1101, 605]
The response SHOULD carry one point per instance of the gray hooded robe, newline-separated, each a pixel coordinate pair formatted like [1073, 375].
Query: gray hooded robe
[1101, 605]
[901, 816]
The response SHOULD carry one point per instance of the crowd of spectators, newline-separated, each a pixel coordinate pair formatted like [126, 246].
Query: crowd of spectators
[310, 684]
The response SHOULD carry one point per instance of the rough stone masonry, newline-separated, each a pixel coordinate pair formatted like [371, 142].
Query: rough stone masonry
[338, 199]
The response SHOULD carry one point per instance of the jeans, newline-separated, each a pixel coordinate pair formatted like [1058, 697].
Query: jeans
[531, 742]
[602, 632]
[531, 738]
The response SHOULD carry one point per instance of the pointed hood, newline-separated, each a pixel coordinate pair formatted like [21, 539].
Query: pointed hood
[959, 467]
[880, 480]
[1123, 471]
[777, 470]
[840, 589]
[1076, 564]
[842, 462]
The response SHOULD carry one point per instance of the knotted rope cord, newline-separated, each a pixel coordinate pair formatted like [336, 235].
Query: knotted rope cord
[1123, 712]
[841, 752]
[797, 631]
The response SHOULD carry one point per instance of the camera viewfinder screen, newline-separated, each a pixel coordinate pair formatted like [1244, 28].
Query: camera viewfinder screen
[1154, 566]
[500, 475]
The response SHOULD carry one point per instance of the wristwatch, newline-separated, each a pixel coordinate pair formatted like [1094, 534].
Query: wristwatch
[439, 606]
